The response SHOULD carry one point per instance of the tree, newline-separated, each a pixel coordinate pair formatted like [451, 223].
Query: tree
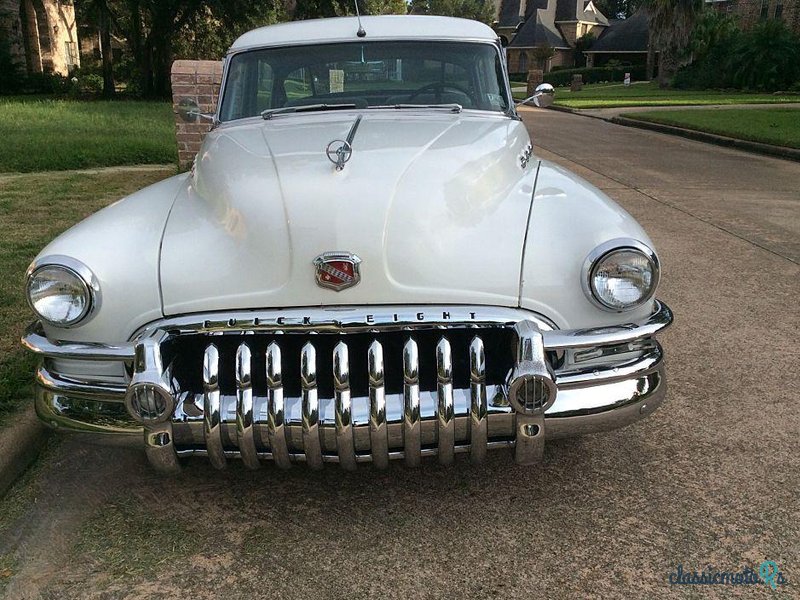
[671, 23]
[477, 10]
[153, 26]
[618, 9]
[99, 14]
[542, 54]
[582, 44]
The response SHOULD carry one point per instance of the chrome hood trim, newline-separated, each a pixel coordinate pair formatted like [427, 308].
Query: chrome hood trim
[436, 205]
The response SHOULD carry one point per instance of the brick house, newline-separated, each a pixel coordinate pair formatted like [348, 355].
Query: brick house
[41, 34]
[530, 24]
[749, 12]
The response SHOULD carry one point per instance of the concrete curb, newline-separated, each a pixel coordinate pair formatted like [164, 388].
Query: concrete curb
[711, 138]
[20, 443]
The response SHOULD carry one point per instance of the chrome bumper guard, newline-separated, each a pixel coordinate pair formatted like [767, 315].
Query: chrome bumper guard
[254, 424]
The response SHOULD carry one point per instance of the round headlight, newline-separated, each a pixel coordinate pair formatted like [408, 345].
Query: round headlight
[59, 295]
[623, 278]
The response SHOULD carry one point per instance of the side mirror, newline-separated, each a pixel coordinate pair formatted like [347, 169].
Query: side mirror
[189, 111]
[542, 97]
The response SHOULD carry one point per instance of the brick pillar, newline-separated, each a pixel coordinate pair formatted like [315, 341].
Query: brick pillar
[197, 80]
[535, 77]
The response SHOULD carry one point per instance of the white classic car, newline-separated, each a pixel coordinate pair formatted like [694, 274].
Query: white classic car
[366, 262]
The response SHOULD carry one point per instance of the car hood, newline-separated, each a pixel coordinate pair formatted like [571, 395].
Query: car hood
[434, 204]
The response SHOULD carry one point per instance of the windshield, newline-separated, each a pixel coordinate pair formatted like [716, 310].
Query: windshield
[365, 74]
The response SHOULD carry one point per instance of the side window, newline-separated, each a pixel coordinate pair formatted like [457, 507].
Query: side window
[298, 85]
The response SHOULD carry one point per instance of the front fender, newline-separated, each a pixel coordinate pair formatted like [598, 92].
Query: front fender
[121, 246]
[570, 217]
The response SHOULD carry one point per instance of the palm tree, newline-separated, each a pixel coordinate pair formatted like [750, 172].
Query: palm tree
[671, 23]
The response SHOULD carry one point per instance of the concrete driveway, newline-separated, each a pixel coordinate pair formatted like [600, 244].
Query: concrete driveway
[711, 479]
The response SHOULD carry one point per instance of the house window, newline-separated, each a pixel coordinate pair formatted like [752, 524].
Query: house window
[779, 9]
[764, 9]
[71, 54]
[523, 62]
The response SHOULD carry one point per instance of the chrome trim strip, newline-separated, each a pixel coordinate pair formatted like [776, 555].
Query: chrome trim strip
[411, 414]
[345, 444]
[354, 319]
[445, 407]
[276, 432]
[88, 388]
[212, 418]
[308, 380]
[478, 424]
[660, 319]
[378, 432]
[34, 340]
[245, 432]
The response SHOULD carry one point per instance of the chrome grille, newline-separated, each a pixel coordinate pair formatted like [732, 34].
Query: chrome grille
[427, 392]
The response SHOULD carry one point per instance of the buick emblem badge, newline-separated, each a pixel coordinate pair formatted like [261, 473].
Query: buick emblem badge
[337, 270]
[339, 152]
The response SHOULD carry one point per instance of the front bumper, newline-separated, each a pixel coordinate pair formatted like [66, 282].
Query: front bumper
[596, 395]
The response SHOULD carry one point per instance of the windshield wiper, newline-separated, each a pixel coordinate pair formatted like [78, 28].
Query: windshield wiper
[455, 108]
[271, 112]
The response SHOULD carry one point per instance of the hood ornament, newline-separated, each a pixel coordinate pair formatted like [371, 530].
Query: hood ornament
[339, 152]
[337, 270]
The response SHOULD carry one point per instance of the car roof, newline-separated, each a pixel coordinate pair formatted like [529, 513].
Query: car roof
[342, 29]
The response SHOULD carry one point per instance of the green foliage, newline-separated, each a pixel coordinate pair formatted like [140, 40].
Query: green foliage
[10, 71]
[617, 9]
[582, 44]
[766, 57]
[477, 10]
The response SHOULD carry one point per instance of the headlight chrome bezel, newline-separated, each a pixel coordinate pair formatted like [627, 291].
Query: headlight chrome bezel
[81, 272]
[601, 252]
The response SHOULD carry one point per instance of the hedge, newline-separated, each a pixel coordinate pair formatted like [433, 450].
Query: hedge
[596, 74]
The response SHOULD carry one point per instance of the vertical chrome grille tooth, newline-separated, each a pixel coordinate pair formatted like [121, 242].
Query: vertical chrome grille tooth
[411, 416]
[212, 417]
[378, 430]
[276, 415]
[445, 409]
[478, 408]
[345, 444]
[312, 446]
[245, 431]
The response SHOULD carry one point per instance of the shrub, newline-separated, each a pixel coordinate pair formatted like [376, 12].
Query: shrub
[596, 74]
[765, 58]
[768, 57]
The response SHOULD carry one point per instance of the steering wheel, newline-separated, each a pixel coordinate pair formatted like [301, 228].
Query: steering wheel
[441, 86]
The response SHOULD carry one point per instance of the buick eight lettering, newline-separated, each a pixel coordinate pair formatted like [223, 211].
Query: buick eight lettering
[366, 262]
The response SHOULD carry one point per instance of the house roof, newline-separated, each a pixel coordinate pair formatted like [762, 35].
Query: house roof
[624, 35]
[540, 27]
[538, 31]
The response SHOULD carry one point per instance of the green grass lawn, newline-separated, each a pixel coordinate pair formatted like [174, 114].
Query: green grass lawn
[53, 135]
[779, 126]
[603, 95]
[33, 210]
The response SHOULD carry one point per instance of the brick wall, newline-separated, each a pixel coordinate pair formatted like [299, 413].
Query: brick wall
[749, 11]
[197, 80]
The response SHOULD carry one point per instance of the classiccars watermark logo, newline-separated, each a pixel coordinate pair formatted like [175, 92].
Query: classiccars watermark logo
[767, 573]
